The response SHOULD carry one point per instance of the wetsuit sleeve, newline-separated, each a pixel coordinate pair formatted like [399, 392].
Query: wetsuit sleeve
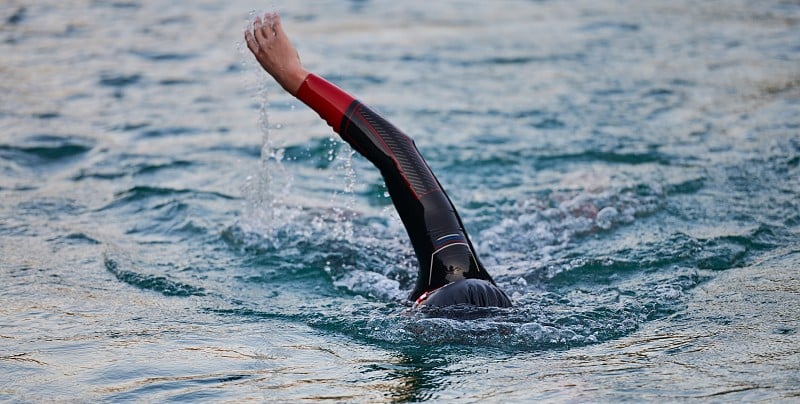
[443, 250]
[329, 101]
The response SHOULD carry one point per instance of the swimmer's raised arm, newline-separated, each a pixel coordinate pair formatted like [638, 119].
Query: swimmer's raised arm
[275, 53]
[449, 269]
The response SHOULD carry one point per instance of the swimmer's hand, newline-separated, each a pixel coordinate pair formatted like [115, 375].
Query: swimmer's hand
[275, 53]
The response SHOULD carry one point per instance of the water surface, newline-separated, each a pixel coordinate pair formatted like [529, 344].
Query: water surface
[175, 227]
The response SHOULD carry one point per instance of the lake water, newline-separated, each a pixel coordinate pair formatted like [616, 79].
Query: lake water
[175, 227]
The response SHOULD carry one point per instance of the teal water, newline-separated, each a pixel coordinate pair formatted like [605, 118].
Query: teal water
[174, 227]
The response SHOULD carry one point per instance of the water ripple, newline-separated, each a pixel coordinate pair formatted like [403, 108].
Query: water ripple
[45, 149]
[156, 283]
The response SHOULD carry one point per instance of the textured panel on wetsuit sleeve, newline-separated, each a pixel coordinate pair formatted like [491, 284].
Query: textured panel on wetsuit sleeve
[402, 150]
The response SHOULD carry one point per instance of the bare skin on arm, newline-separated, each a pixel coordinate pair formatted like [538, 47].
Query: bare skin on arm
[275, 53]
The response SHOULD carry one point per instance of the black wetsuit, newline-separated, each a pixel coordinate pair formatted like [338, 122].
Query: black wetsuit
[445, 254]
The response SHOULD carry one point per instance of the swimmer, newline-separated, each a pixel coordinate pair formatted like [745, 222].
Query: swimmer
[450, 272]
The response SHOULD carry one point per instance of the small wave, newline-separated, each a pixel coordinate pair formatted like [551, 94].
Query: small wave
[119, 80]
[43, 149]
[519, 59]
[163, 56]
[158, 214]
[613, 26]
[688, 186]
[321, 153]
[632, 158]
[117, 166]
[549, 123]
[171, 131]
[18, 16]
[157, 283]
[47, 115]
[502, 162]
[51, 207]
[176, 82]
[141, 193]
[76, 238]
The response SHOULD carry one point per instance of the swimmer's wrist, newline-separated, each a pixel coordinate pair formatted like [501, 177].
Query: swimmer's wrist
[328, 100]
[294, 80]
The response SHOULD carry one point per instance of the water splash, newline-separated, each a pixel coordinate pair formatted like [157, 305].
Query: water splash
[536, 229]
[265, 190]
[343, 201]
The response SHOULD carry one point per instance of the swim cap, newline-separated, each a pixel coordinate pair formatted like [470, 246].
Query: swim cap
[475, 292]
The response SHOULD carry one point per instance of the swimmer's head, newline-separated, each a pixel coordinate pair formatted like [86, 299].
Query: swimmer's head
[473, 292]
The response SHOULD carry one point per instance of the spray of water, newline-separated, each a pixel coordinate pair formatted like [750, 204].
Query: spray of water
[344, 201]
[266, 209]
[263, 191]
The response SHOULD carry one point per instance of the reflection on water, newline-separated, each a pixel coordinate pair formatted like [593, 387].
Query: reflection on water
[174, 227]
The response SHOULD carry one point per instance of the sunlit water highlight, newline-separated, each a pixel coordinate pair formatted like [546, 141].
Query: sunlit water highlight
[174, 227]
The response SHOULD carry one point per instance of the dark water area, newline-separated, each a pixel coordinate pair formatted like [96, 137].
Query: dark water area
[175, 227]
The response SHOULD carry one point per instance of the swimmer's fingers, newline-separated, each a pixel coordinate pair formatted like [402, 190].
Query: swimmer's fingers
[277, 28]
[258, 32]
[251, 42]
[266, 28]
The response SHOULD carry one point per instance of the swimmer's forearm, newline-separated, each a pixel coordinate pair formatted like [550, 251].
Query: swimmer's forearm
[328, 100]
